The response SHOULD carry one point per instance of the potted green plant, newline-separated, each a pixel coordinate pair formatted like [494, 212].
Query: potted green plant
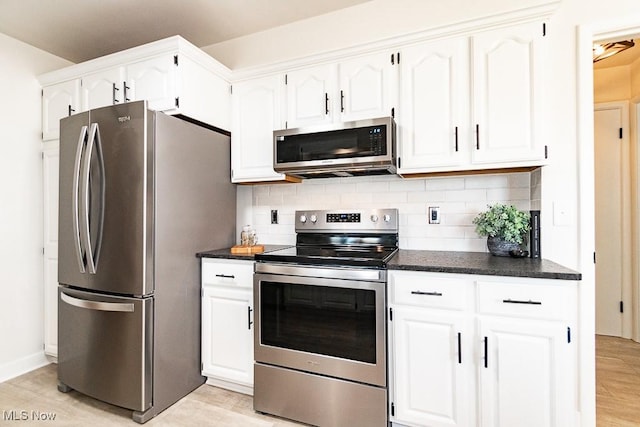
[506, 229]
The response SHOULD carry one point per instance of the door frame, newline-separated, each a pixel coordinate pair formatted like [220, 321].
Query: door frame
[634, 151]
[626, 327]
[586, 34]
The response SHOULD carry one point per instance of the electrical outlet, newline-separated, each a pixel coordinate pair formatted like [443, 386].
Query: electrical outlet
[434, 215]
[274, 216]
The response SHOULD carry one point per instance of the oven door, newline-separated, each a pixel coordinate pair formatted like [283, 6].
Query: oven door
[321, 325]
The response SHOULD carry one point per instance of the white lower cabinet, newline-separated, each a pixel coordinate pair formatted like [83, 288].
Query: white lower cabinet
[491, 352]
[432, 367]
[227, 324]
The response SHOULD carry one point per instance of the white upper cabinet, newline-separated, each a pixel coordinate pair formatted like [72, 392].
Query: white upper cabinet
[434, 109]
[256, 108]
[507, 87]
[58, 101]
[171, 75]
[474, 102]
[103, 88]
[368, 86]
[153, 80]
[361, 88]
[311, 96]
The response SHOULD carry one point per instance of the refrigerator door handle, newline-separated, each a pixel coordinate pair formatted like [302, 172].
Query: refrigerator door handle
[94, 142]
[97, 305]
[74, 199]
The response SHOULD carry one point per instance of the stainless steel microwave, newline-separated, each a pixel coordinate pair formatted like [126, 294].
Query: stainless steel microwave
[363, 147]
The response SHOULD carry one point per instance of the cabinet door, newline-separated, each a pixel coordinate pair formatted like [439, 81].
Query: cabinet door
[433, 367]
[58, 101]
[526, 374]
[227, 334]
[153, 80]
[311, 96]
[434, 105]
[256, 106]
[50, 160]
[103, 88]
[507, 80]
[368, 87]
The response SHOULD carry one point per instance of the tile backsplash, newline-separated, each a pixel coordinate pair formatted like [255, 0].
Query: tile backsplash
[459, 199]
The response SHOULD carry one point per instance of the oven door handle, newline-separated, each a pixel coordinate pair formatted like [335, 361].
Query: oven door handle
[363, 274]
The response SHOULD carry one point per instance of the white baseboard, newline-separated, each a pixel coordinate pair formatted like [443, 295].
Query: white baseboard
[228, 385]
[22, 366]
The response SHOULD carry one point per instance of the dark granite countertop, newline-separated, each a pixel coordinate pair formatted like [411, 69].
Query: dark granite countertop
[226, 253]
[479, 263]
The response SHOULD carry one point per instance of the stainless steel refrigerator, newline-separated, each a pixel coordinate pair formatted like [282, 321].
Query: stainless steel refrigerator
[140, 193]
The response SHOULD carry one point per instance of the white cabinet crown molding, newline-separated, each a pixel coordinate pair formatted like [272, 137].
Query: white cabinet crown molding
[175, 43]
[464, 28]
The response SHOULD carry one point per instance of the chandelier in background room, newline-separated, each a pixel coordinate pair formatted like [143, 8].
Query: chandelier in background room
[605, 50]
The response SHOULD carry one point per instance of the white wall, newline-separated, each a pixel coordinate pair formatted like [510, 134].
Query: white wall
[21, 276]
[460, 199]
[612, 84]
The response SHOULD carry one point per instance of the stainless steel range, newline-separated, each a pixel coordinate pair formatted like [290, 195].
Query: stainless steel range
[320, 337]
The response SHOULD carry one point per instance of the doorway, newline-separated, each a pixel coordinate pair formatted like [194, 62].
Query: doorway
[613, 29]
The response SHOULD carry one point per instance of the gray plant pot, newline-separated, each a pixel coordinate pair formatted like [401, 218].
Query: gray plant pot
[499, 247]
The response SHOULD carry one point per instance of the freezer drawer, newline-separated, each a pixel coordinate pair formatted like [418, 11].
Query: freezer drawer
[105, 347]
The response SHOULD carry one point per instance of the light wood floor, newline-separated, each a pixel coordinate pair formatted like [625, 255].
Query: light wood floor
[617, 382]
[206, 406]
[617, 397]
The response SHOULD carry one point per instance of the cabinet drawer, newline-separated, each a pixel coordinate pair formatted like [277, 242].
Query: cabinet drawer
[539, 300]
[227, 273]
[427, 290]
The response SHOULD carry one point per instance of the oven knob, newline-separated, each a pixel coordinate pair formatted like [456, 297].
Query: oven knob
[374, 218]
[314, 219]
[303, 218]
[387, 218]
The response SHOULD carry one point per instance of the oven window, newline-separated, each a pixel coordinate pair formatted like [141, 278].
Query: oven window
[326, 320]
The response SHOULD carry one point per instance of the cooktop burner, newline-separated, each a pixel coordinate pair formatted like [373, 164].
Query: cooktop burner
[329, 256]
[354, 238]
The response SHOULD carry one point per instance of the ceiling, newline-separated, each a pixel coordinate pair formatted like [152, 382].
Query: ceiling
[86, 29]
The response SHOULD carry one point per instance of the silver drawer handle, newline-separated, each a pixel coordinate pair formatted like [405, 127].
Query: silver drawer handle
[515, 301]
[433, 294]
[97, 305]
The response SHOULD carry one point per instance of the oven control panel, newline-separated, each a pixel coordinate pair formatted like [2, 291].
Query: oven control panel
[343, 217]
[355, 220]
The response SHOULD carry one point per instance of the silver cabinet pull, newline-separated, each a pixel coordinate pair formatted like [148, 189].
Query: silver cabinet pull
[113, 91]
[97, 305]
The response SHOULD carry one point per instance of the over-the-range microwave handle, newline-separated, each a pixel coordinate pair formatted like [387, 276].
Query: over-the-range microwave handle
[75, 203]
[97, 305]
